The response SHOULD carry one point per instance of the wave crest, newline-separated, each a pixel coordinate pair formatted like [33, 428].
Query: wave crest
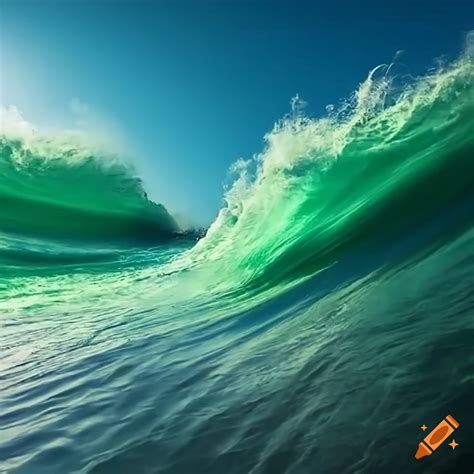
[61, 186]
[384, 160]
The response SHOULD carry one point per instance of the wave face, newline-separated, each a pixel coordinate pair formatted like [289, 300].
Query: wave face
[60, 187]
[324, 317]
[382, 163]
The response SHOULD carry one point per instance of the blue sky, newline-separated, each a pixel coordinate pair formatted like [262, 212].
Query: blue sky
[194, 86]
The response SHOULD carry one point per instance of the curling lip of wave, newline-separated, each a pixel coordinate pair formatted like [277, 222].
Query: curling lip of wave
[387, 160]
[58, 187]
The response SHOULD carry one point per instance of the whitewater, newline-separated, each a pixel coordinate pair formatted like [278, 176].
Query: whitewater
[325, 315]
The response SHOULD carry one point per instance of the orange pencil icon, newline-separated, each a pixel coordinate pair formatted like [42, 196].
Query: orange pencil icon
[437, 437]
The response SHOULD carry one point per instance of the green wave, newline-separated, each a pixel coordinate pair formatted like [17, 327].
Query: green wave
[379, 166]
[383, 163]
[59, 187]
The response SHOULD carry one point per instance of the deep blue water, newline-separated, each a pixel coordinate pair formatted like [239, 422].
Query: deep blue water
[335, 375]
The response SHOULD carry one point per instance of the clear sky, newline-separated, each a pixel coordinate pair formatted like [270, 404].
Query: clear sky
[194, 85]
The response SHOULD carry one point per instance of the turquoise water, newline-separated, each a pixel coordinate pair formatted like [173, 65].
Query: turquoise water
[326, 314]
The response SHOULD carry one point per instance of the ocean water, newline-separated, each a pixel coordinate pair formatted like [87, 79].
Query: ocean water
[323, 318]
